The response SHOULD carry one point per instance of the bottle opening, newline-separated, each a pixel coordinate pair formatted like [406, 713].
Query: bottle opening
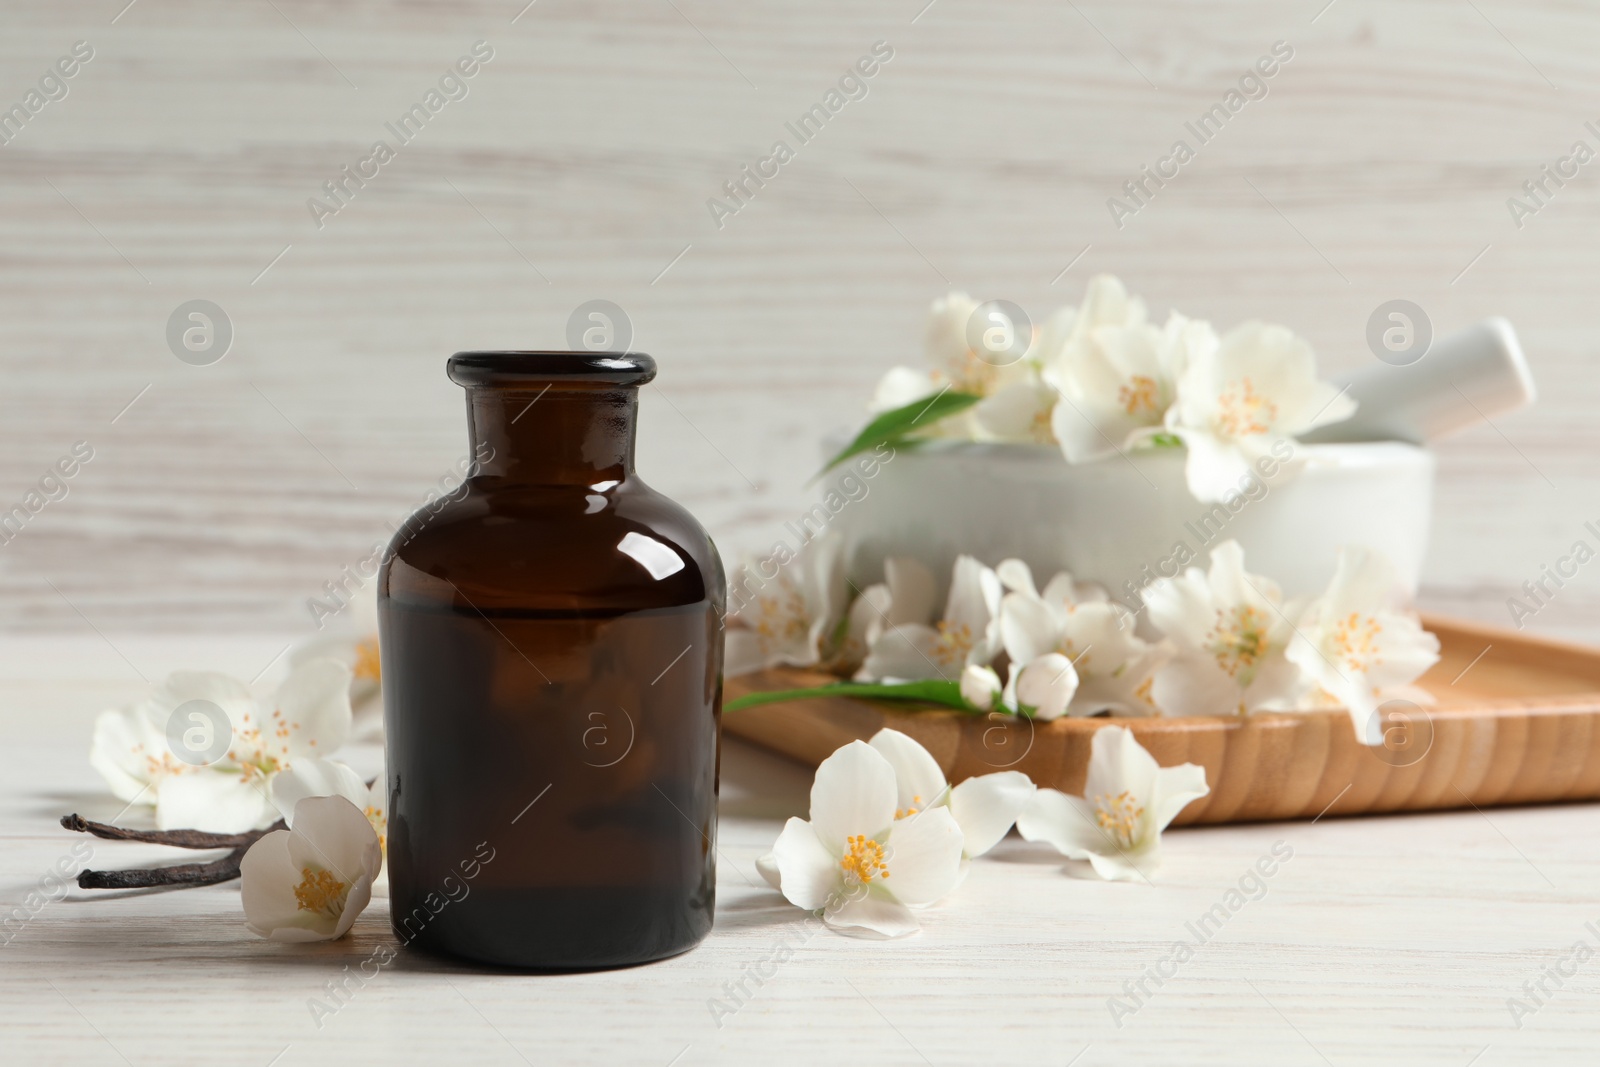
[511, 368]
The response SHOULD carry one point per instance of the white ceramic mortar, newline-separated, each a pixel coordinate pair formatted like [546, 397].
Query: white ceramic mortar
[1111, 520]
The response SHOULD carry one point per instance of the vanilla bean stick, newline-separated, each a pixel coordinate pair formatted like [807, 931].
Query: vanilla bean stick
[175, 838]
[177, 876]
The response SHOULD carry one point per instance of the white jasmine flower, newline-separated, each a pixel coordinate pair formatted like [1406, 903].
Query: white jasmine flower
[1018, 404]
[1359, 644]
[351, 637]
[1128, 800]
[782, 622]
[857, 864]
[1041, 688]
[1116, 373]
[865, 619]
[129, 745]
[788, 611]
[330, 778]
[1185, 340]
[910, 649]
[309, 883]
[1017, 409]
[901, 386]
[950, 350]
[1017, 577]
[308, 716]
[1258, 387]
[908, 589]
[1230, 632]
[952, 362]
[980, 686]
[1113, 664]
[984, 807]
[1044, 686]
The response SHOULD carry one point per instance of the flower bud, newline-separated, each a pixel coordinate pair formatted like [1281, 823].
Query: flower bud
[979, 686]
[1047, 685]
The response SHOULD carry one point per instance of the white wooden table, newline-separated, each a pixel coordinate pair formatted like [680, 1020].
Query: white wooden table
[221, 498]
[1388, 940]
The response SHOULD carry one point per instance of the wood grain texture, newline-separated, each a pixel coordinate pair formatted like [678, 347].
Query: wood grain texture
[1516, 721]
[180, 164]
[1393, 940]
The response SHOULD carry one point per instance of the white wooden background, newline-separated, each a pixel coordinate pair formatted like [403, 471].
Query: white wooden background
[578, 168]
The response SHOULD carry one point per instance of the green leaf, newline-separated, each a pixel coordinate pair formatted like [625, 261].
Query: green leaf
[945, 694]
[1166, 440]
[894, 426]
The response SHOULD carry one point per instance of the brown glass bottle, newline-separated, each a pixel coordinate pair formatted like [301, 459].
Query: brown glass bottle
[552, 661]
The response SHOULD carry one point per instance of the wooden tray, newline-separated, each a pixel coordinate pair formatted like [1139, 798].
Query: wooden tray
[1517, 721]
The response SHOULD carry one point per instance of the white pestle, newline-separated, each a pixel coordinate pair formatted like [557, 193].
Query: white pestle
[1464, 379]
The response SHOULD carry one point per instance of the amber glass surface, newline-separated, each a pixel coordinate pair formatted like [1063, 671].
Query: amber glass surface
[552, 667]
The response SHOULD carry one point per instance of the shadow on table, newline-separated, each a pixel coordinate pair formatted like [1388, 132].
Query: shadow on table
[86, 940]
[1013, 849]
[166, 929]
[758, 784]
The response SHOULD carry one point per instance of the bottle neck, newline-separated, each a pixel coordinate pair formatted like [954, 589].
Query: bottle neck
[560, 433]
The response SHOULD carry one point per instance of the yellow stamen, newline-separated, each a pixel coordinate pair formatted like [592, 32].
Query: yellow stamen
[955, 641]
[1241, 411]
[1081, 659]
[1040, 429]
[321, 892]
[1355, 641]
[1118, 817]
[781, 618]
[864, 861]
[1238, 641]
[380, 824]
[1139, 395]
[976, 374]
[367, 664]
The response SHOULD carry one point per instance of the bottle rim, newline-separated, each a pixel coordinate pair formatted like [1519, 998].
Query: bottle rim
[514, 367]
